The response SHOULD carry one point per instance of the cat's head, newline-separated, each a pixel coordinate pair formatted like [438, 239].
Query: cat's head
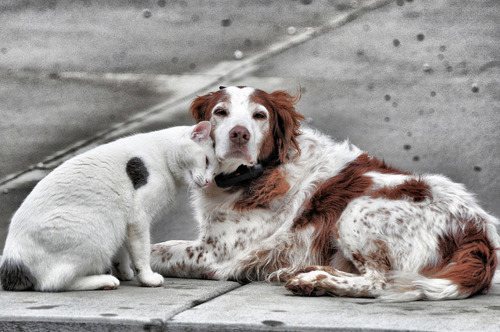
[201, 163]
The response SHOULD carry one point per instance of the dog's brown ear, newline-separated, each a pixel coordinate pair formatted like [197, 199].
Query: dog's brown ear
[199, 107]
[285, 124]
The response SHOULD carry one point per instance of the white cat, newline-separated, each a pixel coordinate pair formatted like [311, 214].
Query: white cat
[66, 232]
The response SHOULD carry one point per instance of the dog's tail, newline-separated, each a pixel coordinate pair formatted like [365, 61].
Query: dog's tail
[15, 276]
[468, 269]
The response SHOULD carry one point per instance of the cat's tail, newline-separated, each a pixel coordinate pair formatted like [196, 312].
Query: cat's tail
[15, 276]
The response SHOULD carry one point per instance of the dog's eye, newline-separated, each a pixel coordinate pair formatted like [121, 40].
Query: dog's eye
[260, 116]
[220, 112]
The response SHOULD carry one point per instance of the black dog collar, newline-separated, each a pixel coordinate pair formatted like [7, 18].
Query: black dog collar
[242, 173]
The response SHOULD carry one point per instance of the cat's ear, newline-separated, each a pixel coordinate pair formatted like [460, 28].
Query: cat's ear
[202, 131]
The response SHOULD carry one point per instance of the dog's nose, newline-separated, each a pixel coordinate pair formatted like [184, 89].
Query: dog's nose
[239, 135]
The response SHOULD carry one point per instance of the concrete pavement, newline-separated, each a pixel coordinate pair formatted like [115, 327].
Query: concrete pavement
[413, 82]
[204, 305]
[130, 308]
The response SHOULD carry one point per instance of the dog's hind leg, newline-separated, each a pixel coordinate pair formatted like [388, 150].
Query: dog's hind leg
[326, 280]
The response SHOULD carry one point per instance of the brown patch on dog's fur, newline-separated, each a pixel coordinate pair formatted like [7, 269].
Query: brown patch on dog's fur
[332, 197]
[259, 192]
[202, 105]
[468, 259]
[415, 189]
[379, 259]
[284, 125]
[321, 277]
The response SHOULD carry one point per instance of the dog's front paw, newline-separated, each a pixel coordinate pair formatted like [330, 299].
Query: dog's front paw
[307, 284]
[150, 279]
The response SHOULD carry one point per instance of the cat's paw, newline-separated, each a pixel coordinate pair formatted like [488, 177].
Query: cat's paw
[151, 279]
[124, 273]
[95, 282]
[109, 283]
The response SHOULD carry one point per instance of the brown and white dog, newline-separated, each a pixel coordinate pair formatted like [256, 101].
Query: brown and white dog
[324, 216]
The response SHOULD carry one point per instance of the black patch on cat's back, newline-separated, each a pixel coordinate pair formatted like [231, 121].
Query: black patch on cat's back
[137, 172]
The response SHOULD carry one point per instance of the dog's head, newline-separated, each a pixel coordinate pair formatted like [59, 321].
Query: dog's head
[250, 126]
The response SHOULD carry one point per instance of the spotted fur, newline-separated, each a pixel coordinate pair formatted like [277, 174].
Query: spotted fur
[325, 217]
[137, 172]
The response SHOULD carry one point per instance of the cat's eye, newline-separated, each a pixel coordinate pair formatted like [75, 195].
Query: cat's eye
[207, 162]
[220, 112]
[260, 116]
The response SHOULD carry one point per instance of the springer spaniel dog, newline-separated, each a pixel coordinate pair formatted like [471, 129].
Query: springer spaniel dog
[292, 205]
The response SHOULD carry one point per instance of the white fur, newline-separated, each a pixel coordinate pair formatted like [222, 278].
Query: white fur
[253, 244]
[75, 220]
[243, 233]
[240, 111]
